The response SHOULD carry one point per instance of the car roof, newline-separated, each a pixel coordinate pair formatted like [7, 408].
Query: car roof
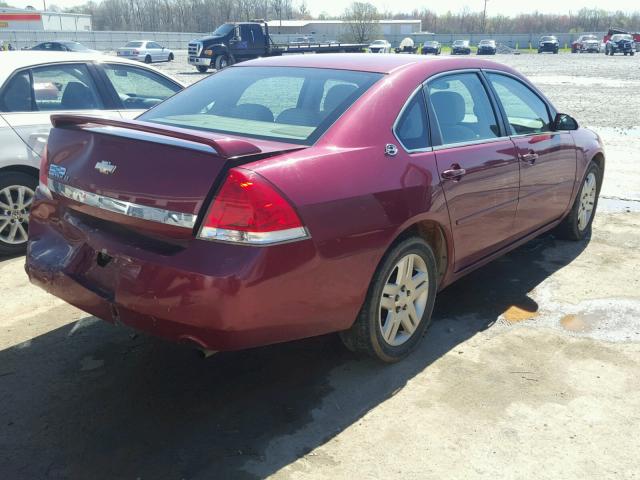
[379, 63]
[12, 61]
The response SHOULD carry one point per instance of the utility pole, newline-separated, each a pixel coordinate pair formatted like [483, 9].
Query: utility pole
[484, 16]
[44, 2]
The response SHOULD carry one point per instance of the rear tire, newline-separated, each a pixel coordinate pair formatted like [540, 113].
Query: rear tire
[576, 226]
[147, 59]
[14, 214]
[397, 310]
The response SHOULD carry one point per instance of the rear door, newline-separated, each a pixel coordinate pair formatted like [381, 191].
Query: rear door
[32, 95]
[547, 158]
[477, 165]
[156, 51]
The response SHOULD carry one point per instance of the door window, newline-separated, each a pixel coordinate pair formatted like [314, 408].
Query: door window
[64, 87]
[526, 112]
[138, 88]
[411, 128]
[17, 94]
[154, 45]
[462, 108]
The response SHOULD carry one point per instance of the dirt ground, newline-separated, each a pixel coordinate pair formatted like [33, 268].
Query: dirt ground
[531, 368]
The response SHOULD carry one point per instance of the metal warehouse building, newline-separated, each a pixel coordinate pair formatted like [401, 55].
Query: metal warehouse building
[14, 19]
[335, 28]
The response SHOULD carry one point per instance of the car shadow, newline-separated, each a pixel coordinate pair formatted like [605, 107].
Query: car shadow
[89, 400]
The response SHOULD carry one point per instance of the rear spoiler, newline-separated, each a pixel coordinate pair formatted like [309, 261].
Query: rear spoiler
[226, 147]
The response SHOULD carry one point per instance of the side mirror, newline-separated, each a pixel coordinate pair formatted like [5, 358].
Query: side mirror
[564, 122]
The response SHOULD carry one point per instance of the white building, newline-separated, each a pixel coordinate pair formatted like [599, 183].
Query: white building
[333, 29]
[14, 19]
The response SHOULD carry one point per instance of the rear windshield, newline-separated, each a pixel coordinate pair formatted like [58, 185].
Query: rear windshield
[289, 104]
[134, 44]
[547, 39]
[617, 38]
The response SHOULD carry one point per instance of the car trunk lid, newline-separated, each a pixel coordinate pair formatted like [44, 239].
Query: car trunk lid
[141, 175]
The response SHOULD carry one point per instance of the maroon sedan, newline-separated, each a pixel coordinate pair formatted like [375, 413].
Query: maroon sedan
[288, 197]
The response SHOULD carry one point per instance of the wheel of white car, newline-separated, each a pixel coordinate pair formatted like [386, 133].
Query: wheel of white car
[399, 303]
[17, 190]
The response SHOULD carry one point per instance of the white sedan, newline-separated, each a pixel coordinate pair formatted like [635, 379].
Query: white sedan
[380, 46]
[146, 51]
[34, 85]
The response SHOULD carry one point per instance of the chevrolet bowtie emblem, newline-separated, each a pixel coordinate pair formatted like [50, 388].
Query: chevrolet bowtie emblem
[105, 167]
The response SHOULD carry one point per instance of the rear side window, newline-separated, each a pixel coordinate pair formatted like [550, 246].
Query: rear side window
[17, 95]
[462, 108]
[138, 88]
[411, 128]
[290, 104]
[526, 112]
[64, 87]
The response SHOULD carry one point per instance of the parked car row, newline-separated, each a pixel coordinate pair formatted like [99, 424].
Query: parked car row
[32, 88]
[146, 51]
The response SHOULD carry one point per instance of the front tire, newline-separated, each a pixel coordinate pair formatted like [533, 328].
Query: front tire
[202, 68]
[221, 62]
[397, 310]
[171, 57]
[577, 224]
[17, 190]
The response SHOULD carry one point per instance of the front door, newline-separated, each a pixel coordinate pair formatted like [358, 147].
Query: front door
[547, 157]
[478, 166]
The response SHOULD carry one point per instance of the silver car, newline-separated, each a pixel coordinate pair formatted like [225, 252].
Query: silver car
[146, 51]
[33, 86]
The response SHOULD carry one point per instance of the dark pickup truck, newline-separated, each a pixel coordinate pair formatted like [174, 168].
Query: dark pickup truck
[235, 42]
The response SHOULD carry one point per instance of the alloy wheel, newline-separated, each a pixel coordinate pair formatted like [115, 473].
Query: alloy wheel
[587, 200]
[15, 203]
[404, 299]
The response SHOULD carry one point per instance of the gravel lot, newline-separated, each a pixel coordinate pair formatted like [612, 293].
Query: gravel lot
[534, 374]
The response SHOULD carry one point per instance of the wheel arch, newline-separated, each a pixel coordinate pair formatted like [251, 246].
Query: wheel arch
[432, 232]
[598, 159]
[29, 170]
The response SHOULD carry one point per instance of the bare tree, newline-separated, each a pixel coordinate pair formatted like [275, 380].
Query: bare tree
[361, 21]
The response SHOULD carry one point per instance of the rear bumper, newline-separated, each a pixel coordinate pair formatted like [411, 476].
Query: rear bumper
[218, 296]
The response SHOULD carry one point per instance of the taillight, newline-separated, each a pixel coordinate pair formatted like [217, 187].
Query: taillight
[249, 210]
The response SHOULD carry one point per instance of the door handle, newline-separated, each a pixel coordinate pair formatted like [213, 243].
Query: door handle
[453, 173]
[529, 158]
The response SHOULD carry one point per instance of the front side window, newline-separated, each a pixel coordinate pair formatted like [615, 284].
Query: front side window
[64, 87]
[462, 108]
[282, 103]
[137, 88]
[526, 112]
[411, 128]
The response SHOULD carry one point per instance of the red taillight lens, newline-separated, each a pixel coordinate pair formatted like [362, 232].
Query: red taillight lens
[248, 209]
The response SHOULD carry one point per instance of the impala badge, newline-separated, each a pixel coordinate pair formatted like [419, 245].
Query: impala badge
[106, 168]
